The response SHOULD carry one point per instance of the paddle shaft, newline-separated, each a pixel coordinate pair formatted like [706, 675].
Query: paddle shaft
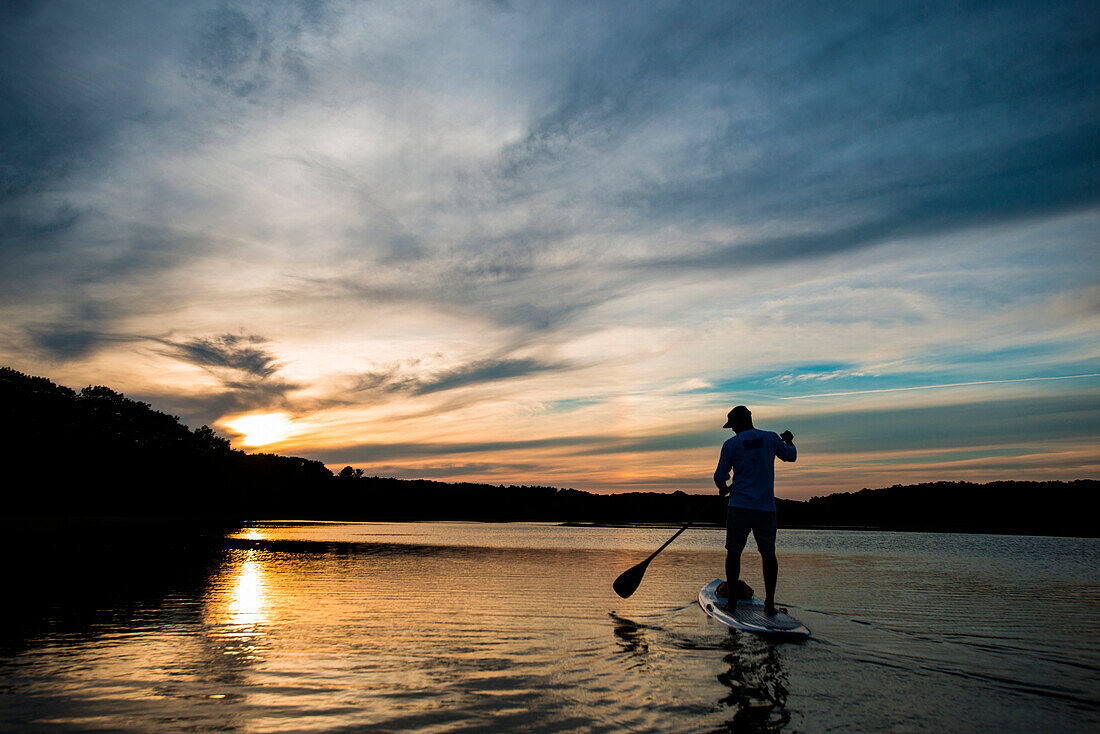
[628, 581]
[690, 522]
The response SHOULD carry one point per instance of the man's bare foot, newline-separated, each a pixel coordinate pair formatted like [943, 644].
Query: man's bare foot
[771, 609]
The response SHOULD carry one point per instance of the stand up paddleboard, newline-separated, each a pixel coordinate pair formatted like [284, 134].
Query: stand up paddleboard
[750, 615]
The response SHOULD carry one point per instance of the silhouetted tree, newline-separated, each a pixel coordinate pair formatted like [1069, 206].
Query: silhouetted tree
[98, 452]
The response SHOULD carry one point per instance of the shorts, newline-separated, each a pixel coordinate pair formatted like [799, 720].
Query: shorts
[762, 523]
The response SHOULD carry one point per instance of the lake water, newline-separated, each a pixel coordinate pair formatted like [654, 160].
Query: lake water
[467, 627]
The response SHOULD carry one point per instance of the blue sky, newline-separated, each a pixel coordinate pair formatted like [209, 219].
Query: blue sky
[554, 242]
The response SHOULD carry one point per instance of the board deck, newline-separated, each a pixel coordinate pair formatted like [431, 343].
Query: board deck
[749, 615]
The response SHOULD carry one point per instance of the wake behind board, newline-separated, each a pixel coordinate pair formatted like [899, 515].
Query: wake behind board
[750, 615]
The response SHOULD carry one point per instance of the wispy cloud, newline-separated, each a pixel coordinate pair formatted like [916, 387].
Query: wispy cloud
[397, 379]
[937, 387]
[245, 354]
[245, 370]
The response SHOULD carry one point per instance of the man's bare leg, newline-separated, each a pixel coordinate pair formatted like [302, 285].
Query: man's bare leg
[771, 574]
[733, 573]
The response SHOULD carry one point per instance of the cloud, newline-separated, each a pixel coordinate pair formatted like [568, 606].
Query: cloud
[481, 371]
[373, 452]
[84, 328]
[245, 368]
[247, 50]
[69, 342]
[821, 133]
[243, 353]
[997, 433]
[813, 373]
[747, 138]
[1027, 420]
[936, 387]
[512, 472]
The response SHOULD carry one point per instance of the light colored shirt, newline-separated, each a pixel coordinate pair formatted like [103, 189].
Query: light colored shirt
[751, 456]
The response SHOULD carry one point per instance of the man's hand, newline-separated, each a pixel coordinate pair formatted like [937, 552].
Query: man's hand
[723, 491]
[788, 437]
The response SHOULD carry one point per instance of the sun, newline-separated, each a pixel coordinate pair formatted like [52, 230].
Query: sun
[260, 429]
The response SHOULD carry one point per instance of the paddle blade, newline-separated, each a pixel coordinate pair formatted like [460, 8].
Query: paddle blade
[628, 580]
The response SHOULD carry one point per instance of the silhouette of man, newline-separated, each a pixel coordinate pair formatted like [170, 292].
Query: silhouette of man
[750, 454]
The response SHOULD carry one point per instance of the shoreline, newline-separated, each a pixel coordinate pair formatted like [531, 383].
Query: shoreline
[64, 529]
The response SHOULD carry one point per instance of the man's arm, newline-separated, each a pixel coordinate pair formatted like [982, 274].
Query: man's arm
[786, 450]
[722, 473]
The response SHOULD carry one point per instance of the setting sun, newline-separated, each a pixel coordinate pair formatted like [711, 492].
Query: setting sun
[261, 429]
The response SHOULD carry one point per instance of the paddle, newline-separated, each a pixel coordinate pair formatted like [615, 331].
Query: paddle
[628, 580]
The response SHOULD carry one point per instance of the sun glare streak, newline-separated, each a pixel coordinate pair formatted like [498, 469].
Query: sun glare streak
[246, 606]
[260, 429]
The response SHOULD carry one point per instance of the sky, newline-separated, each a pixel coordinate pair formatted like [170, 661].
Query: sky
[555, 242]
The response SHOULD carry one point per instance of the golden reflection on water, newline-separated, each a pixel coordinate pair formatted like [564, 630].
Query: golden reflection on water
[237, 611]
[246, 605]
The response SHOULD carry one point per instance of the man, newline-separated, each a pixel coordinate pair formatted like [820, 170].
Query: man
[751, 453]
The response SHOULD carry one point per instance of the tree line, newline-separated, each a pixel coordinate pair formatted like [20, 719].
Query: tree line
[95, 452]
